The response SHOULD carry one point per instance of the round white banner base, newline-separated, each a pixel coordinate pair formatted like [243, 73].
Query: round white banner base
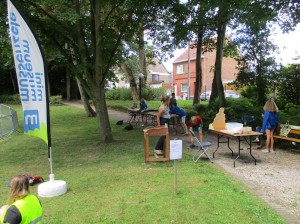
[52, 188]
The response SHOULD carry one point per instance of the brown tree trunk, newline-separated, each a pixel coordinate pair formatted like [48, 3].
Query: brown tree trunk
[217, 82]
[93, 82]
[132, 81]
[84, 99]
[142, 56]
[68, 85]
[13, 81]
[198, 67]
[102, 115]
[49, 89]
[98, 86]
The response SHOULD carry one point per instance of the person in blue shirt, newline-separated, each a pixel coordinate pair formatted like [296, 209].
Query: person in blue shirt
[270, 123]
[182, 115]
[133, 113]
[134, 106]
[143, 107]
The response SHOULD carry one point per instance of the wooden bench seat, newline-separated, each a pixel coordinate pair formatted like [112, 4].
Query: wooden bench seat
[292, 131]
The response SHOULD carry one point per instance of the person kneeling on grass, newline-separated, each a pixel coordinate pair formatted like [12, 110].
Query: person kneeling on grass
[22, 206]
[182, 115]
[195, 126]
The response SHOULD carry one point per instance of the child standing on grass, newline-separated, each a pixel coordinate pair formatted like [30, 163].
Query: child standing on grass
[182, 115]
[196, 126]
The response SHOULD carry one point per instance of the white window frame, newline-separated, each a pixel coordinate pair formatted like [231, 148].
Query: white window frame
[154, 76]
[180, 69]
[182, 87]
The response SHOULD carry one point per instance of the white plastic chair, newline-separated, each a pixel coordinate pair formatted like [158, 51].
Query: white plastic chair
[202, 147]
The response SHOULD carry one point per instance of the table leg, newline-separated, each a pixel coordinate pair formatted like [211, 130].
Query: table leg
[229, 147]
[219, 137]
[217, 147]
[251, 150]
[250, 144]
[174, 124]
[239, 138]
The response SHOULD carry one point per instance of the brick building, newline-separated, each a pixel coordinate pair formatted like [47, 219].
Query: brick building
[181, 67]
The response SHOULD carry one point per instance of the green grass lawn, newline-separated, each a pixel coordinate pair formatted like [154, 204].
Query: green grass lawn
[109, 183]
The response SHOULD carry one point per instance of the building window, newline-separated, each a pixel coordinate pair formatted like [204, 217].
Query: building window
[179, 69]
[184, 87]
[155, 77]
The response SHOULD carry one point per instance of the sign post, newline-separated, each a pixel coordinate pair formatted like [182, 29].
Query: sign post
[175, 154]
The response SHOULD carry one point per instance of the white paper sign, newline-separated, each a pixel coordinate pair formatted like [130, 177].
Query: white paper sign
[175, 149]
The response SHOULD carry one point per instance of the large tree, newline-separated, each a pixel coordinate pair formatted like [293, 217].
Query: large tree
[256, 50]
[94, 31]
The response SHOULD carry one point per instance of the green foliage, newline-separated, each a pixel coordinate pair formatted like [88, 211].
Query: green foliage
[55, 100]
[290, 113]
[118, 94]
[109, 183]
[10, 99]
[250, 92]
[15, 99]
[289, 88]
[125, 94]
[153, 93]
[235, 109]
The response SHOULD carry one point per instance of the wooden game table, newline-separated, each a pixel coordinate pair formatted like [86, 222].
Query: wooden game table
[241, 137]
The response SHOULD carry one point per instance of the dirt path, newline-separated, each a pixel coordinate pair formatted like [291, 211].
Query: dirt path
[275, 178]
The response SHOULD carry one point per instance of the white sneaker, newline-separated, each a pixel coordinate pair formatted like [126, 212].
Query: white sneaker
[271, 150]
[265, 150]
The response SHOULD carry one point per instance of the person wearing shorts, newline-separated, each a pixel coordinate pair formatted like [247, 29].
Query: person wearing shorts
[196, 126]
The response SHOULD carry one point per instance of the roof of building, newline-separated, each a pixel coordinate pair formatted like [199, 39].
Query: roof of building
[157, 67]
[184, 56]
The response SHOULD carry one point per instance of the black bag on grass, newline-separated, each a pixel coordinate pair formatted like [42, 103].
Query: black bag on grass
[128, 127]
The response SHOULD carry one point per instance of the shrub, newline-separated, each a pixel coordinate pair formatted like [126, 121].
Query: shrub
[113, 94]
[125, 94]
[153, 94]
[235, 109]
[55, 100]
[290, 113]
[10, 99]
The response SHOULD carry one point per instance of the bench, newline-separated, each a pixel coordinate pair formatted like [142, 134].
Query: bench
[295, 131]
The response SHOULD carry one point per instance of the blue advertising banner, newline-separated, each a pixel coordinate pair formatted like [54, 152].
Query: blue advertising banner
[30, 70]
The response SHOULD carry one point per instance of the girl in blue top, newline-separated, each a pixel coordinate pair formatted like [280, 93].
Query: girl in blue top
[270, 123]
